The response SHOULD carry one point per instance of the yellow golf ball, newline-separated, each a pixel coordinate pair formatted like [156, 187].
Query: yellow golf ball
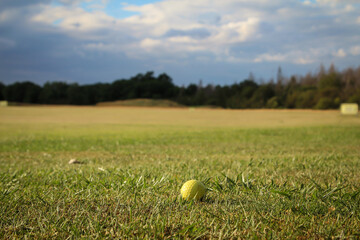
[193, 189]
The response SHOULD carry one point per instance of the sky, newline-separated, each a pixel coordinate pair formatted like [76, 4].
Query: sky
[219, 42]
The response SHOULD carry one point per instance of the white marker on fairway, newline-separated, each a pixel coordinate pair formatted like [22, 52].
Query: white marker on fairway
[193, 189]
[349, 108]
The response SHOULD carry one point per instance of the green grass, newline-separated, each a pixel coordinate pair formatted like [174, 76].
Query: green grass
[264, 182]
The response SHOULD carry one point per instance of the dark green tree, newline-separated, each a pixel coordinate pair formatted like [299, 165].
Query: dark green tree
[54, 93]
[2, 88]
[26, 92]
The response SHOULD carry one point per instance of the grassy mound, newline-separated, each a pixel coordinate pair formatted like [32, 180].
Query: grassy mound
[141, 103]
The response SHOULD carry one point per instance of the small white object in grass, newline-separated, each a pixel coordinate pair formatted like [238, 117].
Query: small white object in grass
[101, 169]
[4, 103]
[74, 161]
[349, 108]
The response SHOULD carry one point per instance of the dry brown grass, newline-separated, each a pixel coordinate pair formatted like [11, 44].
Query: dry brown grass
[171, 116]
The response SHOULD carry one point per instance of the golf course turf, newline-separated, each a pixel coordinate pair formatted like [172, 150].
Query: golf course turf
[269, 173]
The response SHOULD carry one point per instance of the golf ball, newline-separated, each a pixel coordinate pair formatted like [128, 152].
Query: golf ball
[193, 189]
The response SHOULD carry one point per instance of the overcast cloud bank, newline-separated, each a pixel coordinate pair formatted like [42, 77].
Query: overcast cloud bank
[220, 42]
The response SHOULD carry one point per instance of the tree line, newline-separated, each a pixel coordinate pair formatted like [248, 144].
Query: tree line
[325, 89]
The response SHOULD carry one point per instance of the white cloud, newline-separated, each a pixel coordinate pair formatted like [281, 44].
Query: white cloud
[154, 21]
[294, 56]
[308, 2]
[338, 1]
[149, 44]
[303, 61]
[182, 40]
[298, 32]
[355, 50]
[234, 32]
[349, 8]
[335, 2]
[233, 23]
[73, 2]
[74, 19]
[340, 53]
[270, 58]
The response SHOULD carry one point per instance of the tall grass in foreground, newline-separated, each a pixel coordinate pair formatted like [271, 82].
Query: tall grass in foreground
[298, 182]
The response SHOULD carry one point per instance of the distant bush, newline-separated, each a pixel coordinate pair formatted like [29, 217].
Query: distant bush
[272, 103]
[324, 103]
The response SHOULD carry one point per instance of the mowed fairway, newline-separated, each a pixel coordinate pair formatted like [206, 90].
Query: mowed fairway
[271, 174]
